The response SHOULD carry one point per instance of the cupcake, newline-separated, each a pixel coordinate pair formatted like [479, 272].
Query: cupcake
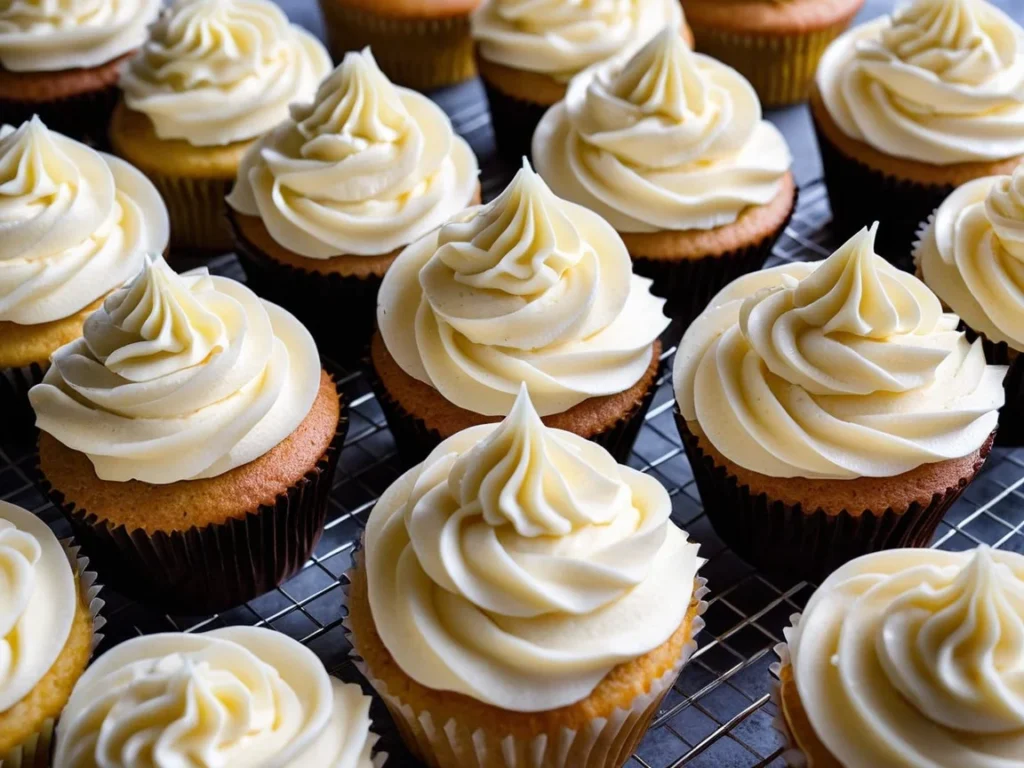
[909, 657]
[422, 44]
[910, 106]
[190, 437]
[61, 60]
[669, 147]
[971, 254]
[76, 224]
[527, 289]
[775, 44]
[240, 697]
[527, 51]
[49, 618]
[831, 409]
[214, 76]
[326, 201]
[524, 600]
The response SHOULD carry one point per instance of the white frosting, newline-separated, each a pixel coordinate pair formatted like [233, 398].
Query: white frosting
[940, 82]
[179, 377]
[913, 657]
[972, 256]
[38, 599]
[841, 369]
[215, 72]
[74, 224]
[44, 35]
[668, 140]
[561, 38]
[241, 697]
[519, 564]
[365, 169]
[528, 289]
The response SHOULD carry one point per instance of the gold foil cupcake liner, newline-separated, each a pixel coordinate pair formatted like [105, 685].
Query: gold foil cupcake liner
[197, 211]
[418, 53]
[606, 742]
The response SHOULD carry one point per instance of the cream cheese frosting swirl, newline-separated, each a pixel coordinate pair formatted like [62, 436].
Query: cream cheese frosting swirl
[44, 36]
[364, 169]
[519, 564]
[179, 377]
[972, 256]
[668, 140]
[557, 38]
[528, 288]
[38, 599]
[241, 697]
[940, 82]
[215, 72]
[839, 369]
[74, 224]
[913, 657]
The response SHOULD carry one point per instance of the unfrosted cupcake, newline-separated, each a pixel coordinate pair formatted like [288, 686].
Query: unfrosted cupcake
[48, 624]
[190, 437]
[325, 202]
[528, 50]
[61, 60]
[910, 106]
[76, 224]
[909, 657]
[524, 600]
[243, 697]
[214, 76]
[527, 289]
[670, 148]
[831, 409]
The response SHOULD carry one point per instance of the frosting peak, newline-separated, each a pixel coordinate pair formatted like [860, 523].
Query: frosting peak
[528, 288]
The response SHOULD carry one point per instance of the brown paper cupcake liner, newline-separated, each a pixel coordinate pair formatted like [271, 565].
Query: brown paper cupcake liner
[418, 53]
[198, 213]
[83, 117]
[210, 569]
[15, 409]
[689, 284]
[514, 121]
[414, 440]
[787, 540]
[340, 311]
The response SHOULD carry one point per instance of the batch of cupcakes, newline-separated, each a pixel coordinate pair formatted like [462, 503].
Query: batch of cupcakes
[521, 598]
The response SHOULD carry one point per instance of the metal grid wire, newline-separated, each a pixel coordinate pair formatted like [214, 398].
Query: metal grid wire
[719, 713]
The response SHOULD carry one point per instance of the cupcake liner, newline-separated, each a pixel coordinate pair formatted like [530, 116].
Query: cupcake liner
[689, 284]
[418, 53]
[785, 539]
[860, 195]
[83, 117]
[514, 121]
[340, 311]
[197, 212]
[14, 386]
[210, 569]
[35, 751]
[414, 440]
[793, 756]
[604, 743]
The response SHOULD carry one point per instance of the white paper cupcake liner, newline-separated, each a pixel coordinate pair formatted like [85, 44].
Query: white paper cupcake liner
[603, 743]
[35, 751]
[793, 755]
[920, 236]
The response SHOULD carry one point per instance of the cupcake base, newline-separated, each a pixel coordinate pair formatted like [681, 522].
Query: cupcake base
[794, 539]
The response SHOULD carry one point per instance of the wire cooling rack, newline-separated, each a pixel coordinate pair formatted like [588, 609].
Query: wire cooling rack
[719, 713]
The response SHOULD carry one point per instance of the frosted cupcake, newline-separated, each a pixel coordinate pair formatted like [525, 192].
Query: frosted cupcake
[670, 148]
[190, 437]
[326, 201]
[524, 600]
[831, 409]
[527, 51]
[909, 657]
[48, 624]
[76, 225]
[214, 76]
[971, 253]
[909, 106]
[61, 61]
[240, 697]
[527, 289]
